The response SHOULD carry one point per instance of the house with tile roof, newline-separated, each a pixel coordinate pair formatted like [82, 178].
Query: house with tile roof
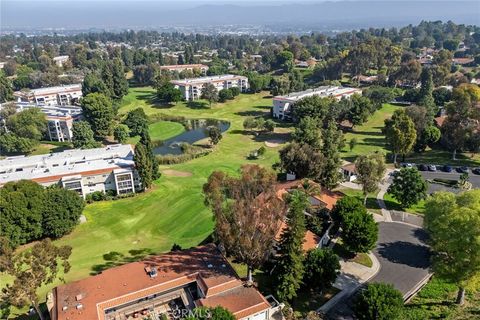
[164, 286]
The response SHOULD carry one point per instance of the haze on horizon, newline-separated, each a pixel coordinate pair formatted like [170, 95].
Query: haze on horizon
[316, 15]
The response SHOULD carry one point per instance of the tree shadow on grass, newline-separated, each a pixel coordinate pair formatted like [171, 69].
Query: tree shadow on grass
[198, 105]
[115, 258]
[251, 113]
[402, 252]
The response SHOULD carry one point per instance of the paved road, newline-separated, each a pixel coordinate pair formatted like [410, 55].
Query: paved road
[403, 255]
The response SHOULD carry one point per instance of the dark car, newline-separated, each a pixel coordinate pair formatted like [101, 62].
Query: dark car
[476, 171]
[422, 167]
[462, 169]
[447, 168]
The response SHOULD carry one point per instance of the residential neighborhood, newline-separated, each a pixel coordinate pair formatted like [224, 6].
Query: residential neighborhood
[288, 167]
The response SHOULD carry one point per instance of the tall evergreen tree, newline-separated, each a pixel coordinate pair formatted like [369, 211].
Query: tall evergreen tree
[120, 84]
[143, 165]
[98, 111]
[6, 90]
[425, 97]
[333, 141]
[147, 142]
[290, 267]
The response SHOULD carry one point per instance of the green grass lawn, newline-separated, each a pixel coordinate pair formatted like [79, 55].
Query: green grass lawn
[161, 130]
[393, 204]
[372, 204]
[369, 136]
[370, 139]
[437, 301]
[173, 211]
[360, 258]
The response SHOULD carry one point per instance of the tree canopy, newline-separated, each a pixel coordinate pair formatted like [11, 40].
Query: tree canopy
[408, 187]
[378, 301]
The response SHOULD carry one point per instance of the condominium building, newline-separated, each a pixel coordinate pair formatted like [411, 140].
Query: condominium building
[84, 171]
[61, 95]
[168, 286]
[192, 88]
[185, 67]
[282, 105]
[59, 119]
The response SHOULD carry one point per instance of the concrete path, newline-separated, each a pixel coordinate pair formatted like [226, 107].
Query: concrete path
[351, 185]
[352, 276]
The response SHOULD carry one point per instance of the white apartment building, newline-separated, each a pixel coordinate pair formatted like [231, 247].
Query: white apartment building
[60, 119]
[61, 95]
[282, 105]
[192, 88]
[84, 171]
[185, 67]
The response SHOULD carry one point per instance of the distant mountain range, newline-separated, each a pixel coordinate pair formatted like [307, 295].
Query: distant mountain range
[342, 15]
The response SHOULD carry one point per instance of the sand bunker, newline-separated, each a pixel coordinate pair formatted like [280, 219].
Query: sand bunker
[176, 173]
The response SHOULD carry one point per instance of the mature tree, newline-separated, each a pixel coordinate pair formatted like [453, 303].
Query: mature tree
[143, 165]
[279, 86]
[83, 136]
[425, 97]
[29, 123]
[32, 269]
[11, 143]
[224, 95]
[423, 123]
[453, 224]
[321, 268]
[333, 142]
[291, 255]
[6, 90]
[400, 133]
[408, 187]
[92, 83]
[441, 96]
[98, 111]
[217, 313]
[136, 121]
[285, 61]
[246, 210]
[344, 206]
[359, 231]
[370, 172]
[308, 131]
[168, 93]
[312, 106]
[250, 123]
[378, 301]
[361, 109]
[147, 142]
[21, 205]
[121, 132]
[257, 82]
[379, 95]
[215, 134]
[302, 160]
[210, 93]
[269, 125]
[62, 209]
[119, 82]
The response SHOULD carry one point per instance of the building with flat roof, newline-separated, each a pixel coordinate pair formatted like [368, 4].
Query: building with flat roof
[59, 119]
[165, 286]
[192, 88]
[60, 95]
[282, 105]
[185, 67]
[85, 171]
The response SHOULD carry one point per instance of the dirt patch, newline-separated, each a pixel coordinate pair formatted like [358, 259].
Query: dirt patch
[176, 173]
[274, 143]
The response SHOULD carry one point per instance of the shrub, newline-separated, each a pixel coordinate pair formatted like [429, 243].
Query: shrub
[378, 301]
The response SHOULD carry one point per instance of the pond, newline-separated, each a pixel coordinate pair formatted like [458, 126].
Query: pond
[195, 131]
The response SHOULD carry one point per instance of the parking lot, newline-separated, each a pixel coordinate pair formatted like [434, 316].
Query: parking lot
[453, 175]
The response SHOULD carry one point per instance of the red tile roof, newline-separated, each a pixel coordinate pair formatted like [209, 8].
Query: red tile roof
[119, 285]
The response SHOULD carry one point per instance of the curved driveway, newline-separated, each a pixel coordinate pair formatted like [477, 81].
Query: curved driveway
[403, 256]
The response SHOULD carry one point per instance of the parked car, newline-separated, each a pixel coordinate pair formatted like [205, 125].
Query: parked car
[447, 168]
[462, 169]
[422, 167]
[408, 165]
[476, 171]
[432, 167]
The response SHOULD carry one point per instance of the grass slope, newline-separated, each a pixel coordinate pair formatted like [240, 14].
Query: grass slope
[173, 211]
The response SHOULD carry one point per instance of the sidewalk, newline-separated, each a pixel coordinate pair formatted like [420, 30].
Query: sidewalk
[352, 276]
